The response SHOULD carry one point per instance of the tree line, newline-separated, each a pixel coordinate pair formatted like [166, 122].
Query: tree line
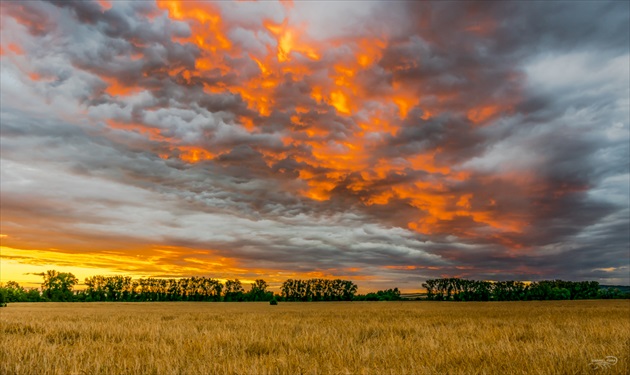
[318, 290]
[455, 289]
[59, 287]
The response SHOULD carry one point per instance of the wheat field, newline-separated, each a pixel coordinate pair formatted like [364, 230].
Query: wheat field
[559, 337]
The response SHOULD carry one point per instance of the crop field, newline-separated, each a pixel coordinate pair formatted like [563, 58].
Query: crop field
[551, 337]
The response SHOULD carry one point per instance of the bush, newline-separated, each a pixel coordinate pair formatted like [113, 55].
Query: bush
[273, 302]
[3, 297]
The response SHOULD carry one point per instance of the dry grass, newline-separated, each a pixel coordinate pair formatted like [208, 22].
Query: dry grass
[314, 338]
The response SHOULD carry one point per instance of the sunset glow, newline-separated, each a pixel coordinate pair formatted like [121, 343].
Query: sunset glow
[381, 142]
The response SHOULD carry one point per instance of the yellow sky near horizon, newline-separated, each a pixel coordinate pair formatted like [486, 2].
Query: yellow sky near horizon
[24, 266]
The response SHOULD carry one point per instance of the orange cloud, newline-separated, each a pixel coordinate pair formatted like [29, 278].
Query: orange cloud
[326, 161]
[334, 113]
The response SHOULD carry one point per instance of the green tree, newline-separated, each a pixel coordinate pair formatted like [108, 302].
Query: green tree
[57, 286]
[33, 295]
[233, 291]
[258, 291]
[3, 297]
[318, 290]
[560, 294]
[14, 292]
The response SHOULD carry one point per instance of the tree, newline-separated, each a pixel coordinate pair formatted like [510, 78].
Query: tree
[233, 291]
[33, 295]
[610, 293]
[318, 290]
[14, 292]
[381, 295]
[429, 285]
[95, 290]
[258, 291]
[560, 294]
[57, 286]
[474, 290]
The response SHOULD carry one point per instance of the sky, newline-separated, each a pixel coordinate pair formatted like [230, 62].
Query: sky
[382, 142]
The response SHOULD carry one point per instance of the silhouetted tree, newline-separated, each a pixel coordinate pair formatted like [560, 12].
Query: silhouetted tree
[318, 290]
[258, 292]
[381, 295]
[234, 291]
[473, 290]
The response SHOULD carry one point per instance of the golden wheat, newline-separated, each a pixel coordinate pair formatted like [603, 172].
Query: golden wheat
[315, 338]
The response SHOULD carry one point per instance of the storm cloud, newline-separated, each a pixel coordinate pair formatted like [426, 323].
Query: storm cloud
[382, 142]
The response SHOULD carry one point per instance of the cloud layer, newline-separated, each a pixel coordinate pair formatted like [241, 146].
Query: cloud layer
[386, 143]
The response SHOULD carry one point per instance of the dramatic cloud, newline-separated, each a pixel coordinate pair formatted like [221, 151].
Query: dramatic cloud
[382, 142]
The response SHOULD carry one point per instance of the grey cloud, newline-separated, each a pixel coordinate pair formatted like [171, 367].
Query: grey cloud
[553, 156]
